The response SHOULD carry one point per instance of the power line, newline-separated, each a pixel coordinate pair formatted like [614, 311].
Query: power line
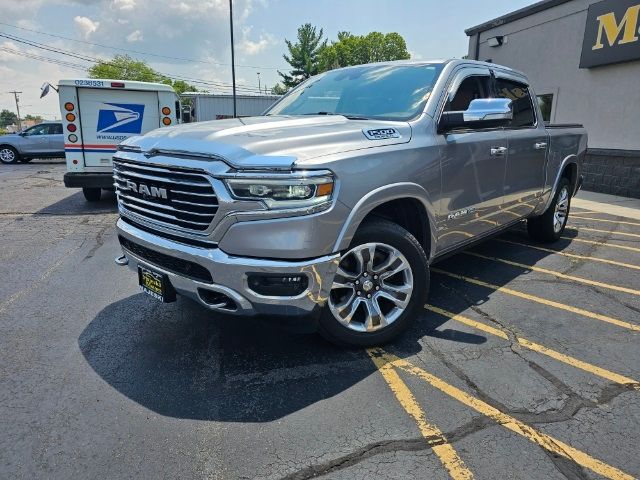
[169, 57]
[86, 58]
[33, 56]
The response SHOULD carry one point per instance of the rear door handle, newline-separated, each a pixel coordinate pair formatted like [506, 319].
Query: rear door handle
[498, 151]
[540, 145]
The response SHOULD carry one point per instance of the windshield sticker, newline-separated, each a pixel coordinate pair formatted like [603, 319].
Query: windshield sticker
[120, 118]
[381, 133]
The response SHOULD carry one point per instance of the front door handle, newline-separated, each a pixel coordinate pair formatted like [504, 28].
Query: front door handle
[540, 145]
[498, 151]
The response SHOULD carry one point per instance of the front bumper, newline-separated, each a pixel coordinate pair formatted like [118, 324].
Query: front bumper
[229, 275]
[88, 180]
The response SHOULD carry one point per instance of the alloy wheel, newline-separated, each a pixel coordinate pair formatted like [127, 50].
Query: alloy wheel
[7, 155]
[561, 210]
[372, 287]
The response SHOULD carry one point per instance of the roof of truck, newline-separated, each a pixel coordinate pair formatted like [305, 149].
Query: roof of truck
[106, 83]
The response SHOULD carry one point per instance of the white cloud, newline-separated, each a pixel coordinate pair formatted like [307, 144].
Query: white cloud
[135, 36]
[86, 25]
[124, 5]
[252, 47]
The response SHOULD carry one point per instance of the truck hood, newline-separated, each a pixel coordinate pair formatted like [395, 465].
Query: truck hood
[273, 141]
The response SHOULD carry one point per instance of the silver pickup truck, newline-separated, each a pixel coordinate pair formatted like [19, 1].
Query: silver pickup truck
[335, 202]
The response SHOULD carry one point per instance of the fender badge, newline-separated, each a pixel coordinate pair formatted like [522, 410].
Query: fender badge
[381, 133]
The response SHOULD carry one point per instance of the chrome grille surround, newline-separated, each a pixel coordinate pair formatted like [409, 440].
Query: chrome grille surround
[166, 198]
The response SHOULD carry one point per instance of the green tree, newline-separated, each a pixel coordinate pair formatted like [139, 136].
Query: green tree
[180, 86]
[278, 89]
[7, 117]
[303, 55]
[123, 67]
[358, 49]
[36, 118]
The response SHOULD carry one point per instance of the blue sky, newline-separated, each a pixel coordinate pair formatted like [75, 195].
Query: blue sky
[198, 30]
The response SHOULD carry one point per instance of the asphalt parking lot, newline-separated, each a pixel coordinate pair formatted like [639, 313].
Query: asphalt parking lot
[525, 364]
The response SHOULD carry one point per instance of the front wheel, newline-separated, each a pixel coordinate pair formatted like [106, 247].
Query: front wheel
[380, 287]
[9, 154]
[92, 194]
[549, 226]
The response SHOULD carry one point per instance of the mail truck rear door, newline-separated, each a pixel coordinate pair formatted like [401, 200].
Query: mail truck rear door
[109, 116]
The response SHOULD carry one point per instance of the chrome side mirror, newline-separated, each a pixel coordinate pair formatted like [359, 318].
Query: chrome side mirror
[481, 113]
[488, 109]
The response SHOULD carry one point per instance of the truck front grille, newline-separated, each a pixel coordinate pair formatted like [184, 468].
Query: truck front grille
[170, 197]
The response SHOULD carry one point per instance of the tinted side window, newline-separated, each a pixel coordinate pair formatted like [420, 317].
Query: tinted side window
[471, 88]
[523, 114]
[55, 129]
[37, 130]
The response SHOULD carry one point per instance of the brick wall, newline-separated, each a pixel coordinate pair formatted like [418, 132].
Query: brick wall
[616, 172]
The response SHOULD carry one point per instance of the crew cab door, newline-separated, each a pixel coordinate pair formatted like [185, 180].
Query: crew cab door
[56, 139]
[528, 144]
[36, 139]
[473, 163]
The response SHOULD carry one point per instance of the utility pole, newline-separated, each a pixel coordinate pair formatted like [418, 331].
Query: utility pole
[233, 58]
[259, 89]
[15, 95]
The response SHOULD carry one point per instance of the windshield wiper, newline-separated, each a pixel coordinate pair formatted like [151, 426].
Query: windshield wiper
[346, 115]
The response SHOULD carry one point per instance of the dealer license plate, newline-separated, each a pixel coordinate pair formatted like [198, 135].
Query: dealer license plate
[155, 284]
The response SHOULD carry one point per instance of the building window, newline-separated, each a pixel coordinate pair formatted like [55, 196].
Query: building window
[545, 102]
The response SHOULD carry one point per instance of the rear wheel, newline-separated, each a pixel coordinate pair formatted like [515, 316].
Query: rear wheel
[92, 194]
[380, 287]
[549, 226]
[9, 154]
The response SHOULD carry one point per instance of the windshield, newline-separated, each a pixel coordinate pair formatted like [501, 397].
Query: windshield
[386, 92]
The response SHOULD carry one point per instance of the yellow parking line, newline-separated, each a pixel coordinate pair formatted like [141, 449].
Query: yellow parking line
[607, 221]
[561, 357]
[635, 235]
[432, 434]
[571, 255]
[547, 442]
[604, 244]
[544, 301]
[583, 212]
[557, 274]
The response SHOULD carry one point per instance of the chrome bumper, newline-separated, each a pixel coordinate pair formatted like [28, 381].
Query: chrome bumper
[230, 275]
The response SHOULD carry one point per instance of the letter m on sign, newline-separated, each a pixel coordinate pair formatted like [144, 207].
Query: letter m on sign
[611, 33]
[628, 24]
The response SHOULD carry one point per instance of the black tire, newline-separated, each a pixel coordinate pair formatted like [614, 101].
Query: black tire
[9, 155]
[542, 228]
[393, 235]
[25, 159]
[92, 194]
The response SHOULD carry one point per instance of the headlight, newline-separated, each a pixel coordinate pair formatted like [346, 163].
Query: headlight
[288, 192]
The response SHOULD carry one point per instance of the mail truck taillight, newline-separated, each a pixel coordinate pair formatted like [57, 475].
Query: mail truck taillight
[70, 117]
[71, 127]
[117, 84]
[166, 121]
[69, 106]
[166, 111]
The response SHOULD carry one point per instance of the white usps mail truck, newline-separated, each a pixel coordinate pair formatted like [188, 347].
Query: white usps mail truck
[99, 114]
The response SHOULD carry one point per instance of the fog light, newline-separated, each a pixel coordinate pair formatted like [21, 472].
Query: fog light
[276, 285]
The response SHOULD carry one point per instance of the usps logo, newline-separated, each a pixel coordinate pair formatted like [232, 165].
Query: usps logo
[120, 118]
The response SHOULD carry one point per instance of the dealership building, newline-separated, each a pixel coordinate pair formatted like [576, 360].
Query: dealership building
[583, 60]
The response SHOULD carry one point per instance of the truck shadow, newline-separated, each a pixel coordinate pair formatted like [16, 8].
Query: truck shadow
[76, 204]
[181, 360]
